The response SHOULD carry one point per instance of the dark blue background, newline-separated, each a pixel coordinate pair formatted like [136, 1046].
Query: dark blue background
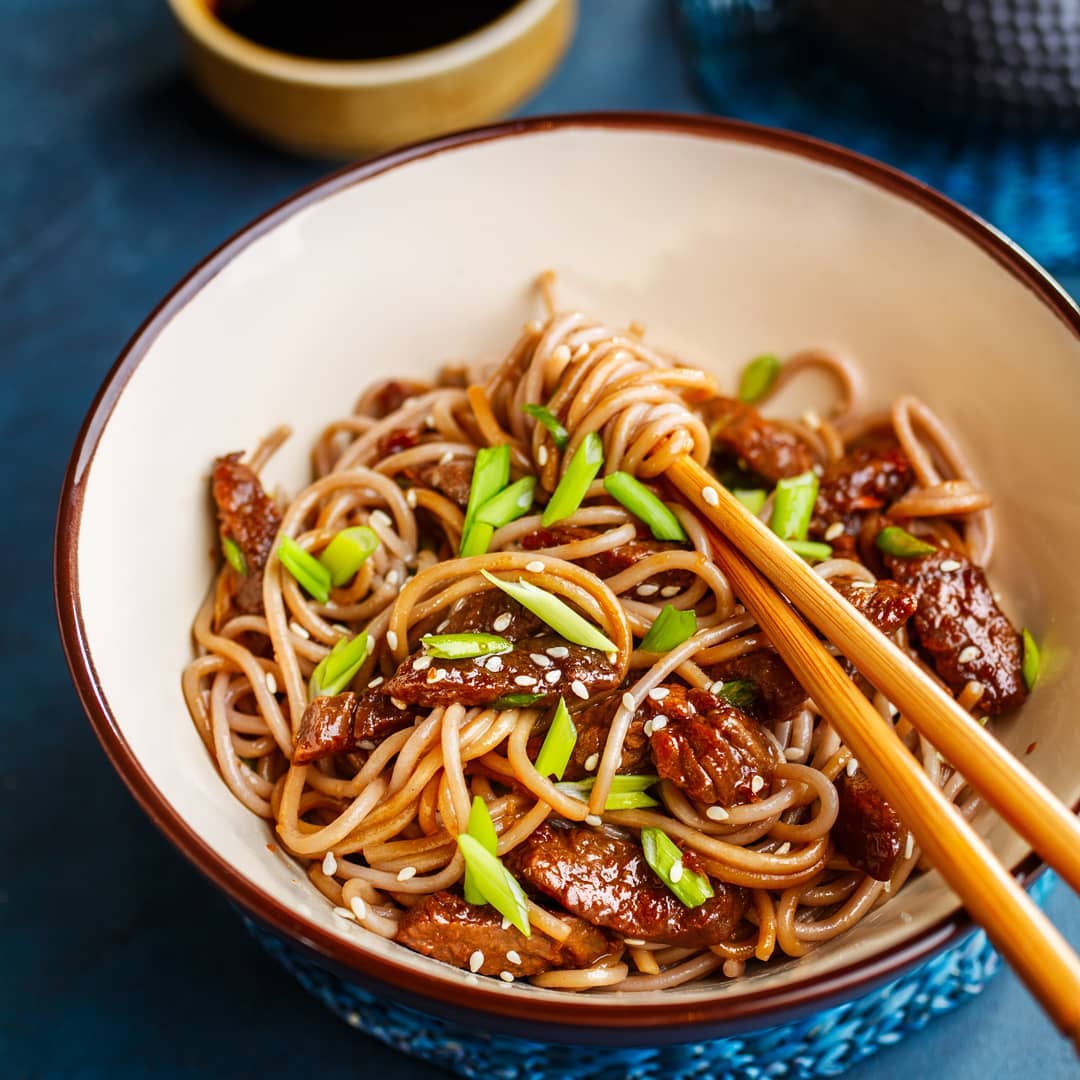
[117, 957]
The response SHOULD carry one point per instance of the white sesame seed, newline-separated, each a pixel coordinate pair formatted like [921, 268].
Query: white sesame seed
[717, 813]
[506, 976]
[716, 686]
[298, 630]
[410, 498]
[757, 783]
[612, 657]
[542, 456]
[371, 643]
[429, 421]
[676, 872]
[591, 762]
[835, 530]
[442, 626]
[658, 693]
[352, 1019]
[502, 622]
[421, 663]
[949, 565]
[628, 702]
[968, 654]
[783, 849]
[909, 846]
[494, 663]
[505, 923]
[887, 887]
[852, 766]
[552, 677]
[391, 639]
[893, 710]
[906, 916]
[561, 354]
[476, 961]
[344, 913]
[634, 942]
[862, 585]
[394, 577]
[406, 873]
[811, 419]
[578, 687]
[329, 864]
[659, 722]
[447, 458]
[271, 682]
[399, 704]
[366, 744]
[525, 500]
[358, 906]
[647, 728]
[593, 819]
[540, 660]
[436, 675]
[669, 591]
[535, 567]
[819, 470]
[794, 753]
[377, 681]
[513, 956]
[648, 590]
[709, 494]
[524, 680]
[380, 517]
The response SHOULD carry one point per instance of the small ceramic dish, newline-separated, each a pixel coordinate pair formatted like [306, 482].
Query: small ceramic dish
[728, 240]
[344, 109]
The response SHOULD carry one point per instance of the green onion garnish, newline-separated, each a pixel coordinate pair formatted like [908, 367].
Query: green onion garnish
[511, 503]
[627, 792]
[495, 883]
[558, 744]
[516, 701]
[491, 473]
[642, 503]
[464, 646]
[752, 498]
[666, 860]
[1030, 664]
[550, 609]
[793, 505]
[339, 667]
[757, 377]
[670, 629]
[482, 829]
[899, 542]
[742, 693]
[580, 473]
[810, 549]
[233, 555]
[307, 570]
[559, 435]
[347, 552]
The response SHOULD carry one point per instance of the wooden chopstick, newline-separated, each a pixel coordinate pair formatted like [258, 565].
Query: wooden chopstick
[1023, 800]
[1019, 930]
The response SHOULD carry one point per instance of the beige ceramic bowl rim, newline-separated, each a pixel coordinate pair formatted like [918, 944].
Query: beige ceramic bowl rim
[609, 1021]
[196, 17]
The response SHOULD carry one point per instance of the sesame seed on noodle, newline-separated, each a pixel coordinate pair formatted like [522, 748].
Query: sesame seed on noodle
[502, 622]
[852, 766]
[298, 630]
[578, 688]
[909, 846]
[513, 956]
[542, 456]
[669, 591]
[783, 849]
[391, 639]
[794, 753]
[591, 762]
[410, 498]
[561, 353]
[271, 682]
[886, 887]
[329, 864]
[358, 906]
[634, 942]
[476, 961]
[709, 494]
[834, 531]
[906, 916]
[558, 651]
[406, 873]
[628, 702]
[593, 819]
[535, 567]
[648, 590]
[344, 913]
[732, 969]
[429, 421]
[381, 518]
[394, 577]
[658, 693]
[717, 813]
[506, 976]
[580, 351]
[447, 458]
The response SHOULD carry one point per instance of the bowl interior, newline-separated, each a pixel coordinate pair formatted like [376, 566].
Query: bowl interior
[725, 247]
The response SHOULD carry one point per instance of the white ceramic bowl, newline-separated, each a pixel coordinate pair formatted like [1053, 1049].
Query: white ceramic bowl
[727, 240]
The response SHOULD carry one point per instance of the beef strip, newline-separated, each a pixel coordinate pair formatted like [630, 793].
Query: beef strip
[339, 724]
[394, 393]
[393, 442]
[710, 749]
[766, 448]
[251, 519]
[527, 669]
[957, 611]
[605, 879]
[444, 926]
[778, 693]
[481, 612]
[452, 478]
[867, 831]
[887, 604]
[867, 478]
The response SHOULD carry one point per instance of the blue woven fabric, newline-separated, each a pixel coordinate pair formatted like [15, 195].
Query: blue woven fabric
[751, 63]
[826, 1044]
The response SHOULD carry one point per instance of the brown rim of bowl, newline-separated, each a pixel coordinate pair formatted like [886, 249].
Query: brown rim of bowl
[665, 1021]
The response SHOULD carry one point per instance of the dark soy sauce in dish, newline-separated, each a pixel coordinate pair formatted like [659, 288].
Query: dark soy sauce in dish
[356, 29]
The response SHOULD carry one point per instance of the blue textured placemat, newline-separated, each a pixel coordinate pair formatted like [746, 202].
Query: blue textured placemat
[752, 63]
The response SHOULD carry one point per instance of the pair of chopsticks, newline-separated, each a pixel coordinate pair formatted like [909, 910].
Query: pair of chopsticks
[761, 568]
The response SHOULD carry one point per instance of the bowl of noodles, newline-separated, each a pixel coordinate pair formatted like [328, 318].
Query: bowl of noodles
[420, 660]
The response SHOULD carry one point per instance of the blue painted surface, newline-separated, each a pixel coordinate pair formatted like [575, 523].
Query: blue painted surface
[117, 959]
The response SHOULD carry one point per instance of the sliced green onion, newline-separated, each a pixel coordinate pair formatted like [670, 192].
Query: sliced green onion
[644, 504]
[752, 498]
[516, 701]
[793, 505]
[559, 435]
[558, 745]
[491, 473]
[810, 549]
[233, 555]
[627, 792]
[580, 473]
[347, 552]
[464, 646]
[511, 503]
[550, 609]
[475, 539]
[666, 860]
[339, 667]
[482, 829]
[1030, 665]
[307, 570]
[671, 628]
[899, 542]
[742, 693]
[758, 377]
[495, 883]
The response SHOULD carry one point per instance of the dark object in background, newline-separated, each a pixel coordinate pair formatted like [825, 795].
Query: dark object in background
[356, 29]
[1012, 63]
